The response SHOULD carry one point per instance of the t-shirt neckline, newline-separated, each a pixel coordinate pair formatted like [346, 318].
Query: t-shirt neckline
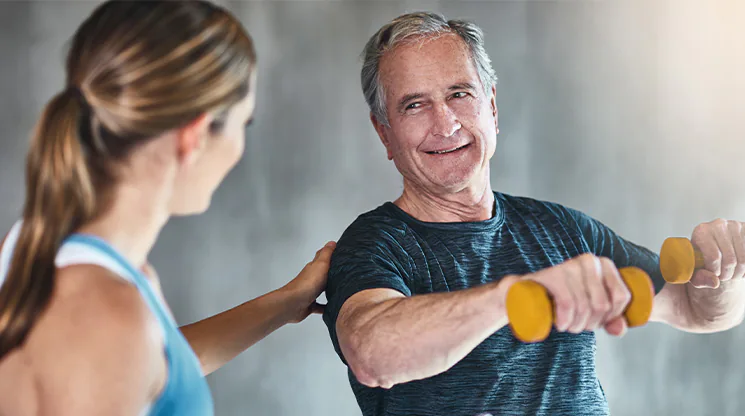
[492, 223]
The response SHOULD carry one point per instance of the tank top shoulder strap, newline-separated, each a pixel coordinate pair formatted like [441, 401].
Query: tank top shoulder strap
[123, 266]
[7, 250]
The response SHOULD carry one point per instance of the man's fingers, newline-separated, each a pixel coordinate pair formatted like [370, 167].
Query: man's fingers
[738, 242]
[703, 239]
[619, 295]
[588, 269]
[616, 326]
[598, 296]
[727, 250]
[556, 282]
[704, 279]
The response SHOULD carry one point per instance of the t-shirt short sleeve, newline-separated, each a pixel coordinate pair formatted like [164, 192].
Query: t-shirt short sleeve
[603, 241]
[369, 255]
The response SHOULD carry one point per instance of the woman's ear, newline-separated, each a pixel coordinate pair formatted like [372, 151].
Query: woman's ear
[190, 139]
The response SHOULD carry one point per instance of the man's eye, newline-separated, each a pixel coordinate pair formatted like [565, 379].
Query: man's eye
[413, 106]
[460, 95]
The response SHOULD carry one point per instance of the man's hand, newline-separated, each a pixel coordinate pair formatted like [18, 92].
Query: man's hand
[722, 243]
[714, 300]
[588, 292]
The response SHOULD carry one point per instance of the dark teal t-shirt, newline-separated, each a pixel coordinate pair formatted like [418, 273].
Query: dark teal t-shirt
[387, 248]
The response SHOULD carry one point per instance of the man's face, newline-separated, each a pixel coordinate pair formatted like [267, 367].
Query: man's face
[443, 128]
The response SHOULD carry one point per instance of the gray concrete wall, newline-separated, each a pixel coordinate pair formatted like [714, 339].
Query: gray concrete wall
[631, 111]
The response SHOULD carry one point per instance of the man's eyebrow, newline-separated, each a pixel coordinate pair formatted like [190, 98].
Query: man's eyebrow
[462, 86]
[409, 97]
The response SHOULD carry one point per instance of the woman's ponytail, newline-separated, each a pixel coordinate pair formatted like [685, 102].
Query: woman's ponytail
[59, 197]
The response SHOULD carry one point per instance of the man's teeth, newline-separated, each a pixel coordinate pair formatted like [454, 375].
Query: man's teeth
[446, 151]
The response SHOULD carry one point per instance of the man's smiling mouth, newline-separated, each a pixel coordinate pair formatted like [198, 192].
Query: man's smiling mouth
[446, 151]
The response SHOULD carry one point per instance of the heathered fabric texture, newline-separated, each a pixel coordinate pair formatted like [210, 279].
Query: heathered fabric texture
[387, 248]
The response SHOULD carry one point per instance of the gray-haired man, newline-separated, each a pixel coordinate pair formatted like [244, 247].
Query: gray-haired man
[417, 286]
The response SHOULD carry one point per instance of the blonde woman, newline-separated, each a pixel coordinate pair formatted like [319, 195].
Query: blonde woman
[152, 119]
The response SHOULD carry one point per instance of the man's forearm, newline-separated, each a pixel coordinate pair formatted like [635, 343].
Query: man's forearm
[220, 338]
[405, 339]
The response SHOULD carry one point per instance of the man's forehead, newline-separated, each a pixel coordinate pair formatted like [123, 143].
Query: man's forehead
[426, 61]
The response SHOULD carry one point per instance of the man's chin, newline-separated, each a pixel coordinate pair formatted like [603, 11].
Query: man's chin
[461, 181]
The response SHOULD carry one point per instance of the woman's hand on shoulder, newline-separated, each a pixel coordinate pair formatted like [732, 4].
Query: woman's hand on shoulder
[304, 289]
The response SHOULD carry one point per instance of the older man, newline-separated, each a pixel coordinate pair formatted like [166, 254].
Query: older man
[416, 295]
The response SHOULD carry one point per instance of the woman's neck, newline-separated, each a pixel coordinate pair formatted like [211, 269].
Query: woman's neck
[132, 222]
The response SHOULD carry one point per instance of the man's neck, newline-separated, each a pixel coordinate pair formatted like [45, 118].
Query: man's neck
[469, 205]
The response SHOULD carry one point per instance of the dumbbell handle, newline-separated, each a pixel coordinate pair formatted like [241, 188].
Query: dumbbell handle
[530, 309]
[679, 259]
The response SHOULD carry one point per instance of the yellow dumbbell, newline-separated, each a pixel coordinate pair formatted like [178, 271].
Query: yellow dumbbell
[679, 259]
[530, 309]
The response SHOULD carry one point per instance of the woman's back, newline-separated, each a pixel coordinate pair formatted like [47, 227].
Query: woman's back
[18, 395]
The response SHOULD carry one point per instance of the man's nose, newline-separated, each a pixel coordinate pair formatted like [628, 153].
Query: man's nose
[446, 123]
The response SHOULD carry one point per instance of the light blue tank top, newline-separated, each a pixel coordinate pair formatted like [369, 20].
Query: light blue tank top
[186, 391]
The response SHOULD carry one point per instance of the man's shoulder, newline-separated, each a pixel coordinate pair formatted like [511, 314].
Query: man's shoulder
[373, 237]
[525, 204]
[378, 224]
[547, 211]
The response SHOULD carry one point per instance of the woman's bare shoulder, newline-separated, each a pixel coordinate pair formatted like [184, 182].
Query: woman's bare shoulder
[96, 349]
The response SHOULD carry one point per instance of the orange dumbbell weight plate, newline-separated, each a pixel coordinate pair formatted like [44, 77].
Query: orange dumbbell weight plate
[531, 312]
[640, 286]
[679, 259]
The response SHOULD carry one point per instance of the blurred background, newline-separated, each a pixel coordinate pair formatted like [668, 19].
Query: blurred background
[631, 111]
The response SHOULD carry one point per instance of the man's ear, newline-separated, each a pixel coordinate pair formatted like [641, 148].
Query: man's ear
[494, 109]
[380, 129]
[191, 138]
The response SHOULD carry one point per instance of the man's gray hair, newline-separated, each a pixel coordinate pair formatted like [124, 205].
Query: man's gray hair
[414, 25]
